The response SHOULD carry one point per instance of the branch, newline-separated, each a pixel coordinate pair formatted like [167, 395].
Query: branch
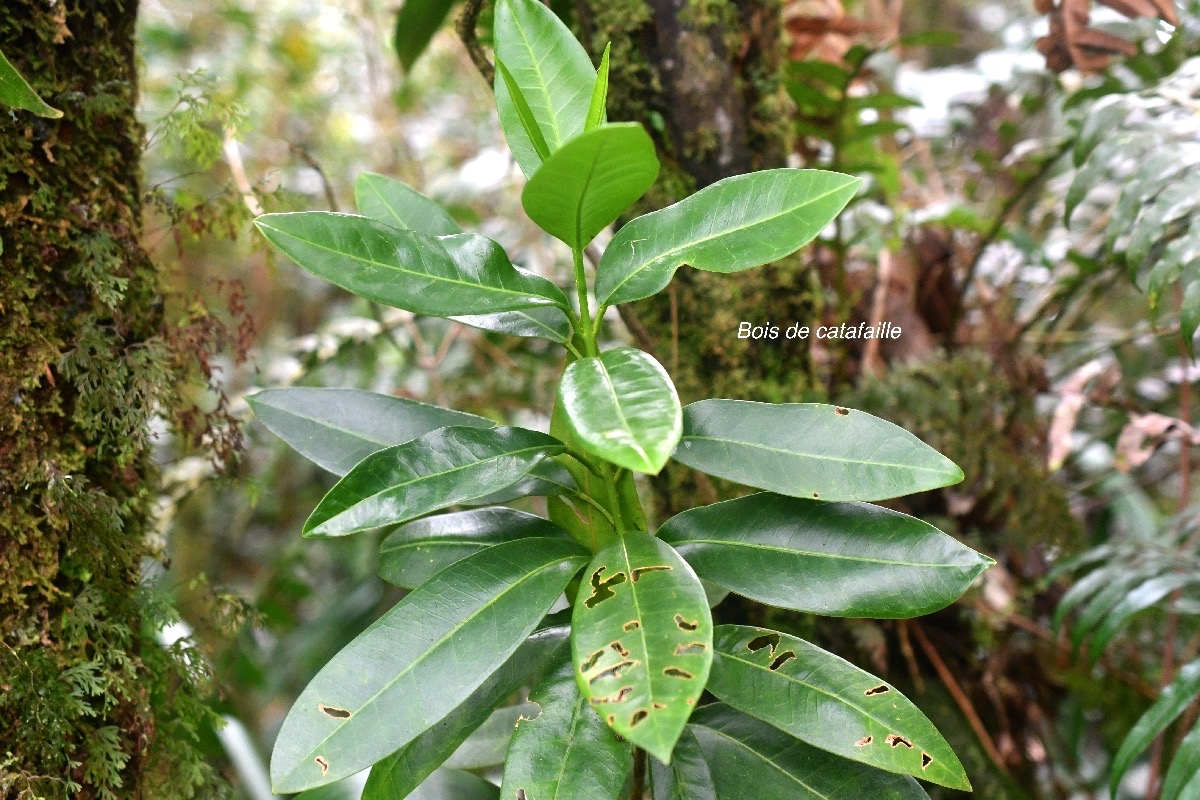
[466, 26]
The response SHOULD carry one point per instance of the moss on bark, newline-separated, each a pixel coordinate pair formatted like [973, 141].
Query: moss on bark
[90, 705]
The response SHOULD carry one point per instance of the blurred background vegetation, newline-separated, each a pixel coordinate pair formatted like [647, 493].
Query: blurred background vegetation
[1031, 221]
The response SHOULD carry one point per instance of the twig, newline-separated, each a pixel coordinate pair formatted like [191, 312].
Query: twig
[302, 153]
[910, 658]
[468, 20]
[960, 697]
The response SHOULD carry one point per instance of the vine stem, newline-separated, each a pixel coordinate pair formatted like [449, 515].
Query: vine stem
[639, 774]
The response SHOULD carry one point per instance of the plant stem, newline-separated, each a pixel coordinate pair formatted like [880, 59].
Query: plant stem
[585, 317]
[639, 774]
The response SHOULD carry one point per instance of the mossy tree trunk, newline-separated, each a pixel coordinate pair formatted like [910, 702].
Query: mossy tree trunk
[90, 705]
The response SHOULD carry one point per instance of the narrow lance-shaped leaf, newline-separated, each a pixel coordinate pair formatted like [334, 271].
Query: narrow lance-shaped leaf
[733, 225]
[590, 181]
[829, 703]
[835, 559]
[394, 203]
[1183, 776]
[563, 750]
[552, 71]
[810, 450]
[1176, 697]
[337, 428]
[443, 468]
[597, 112]
[17, 93]
[547, 479]
[1125, 595]
[623, 407]
[401, 772]
[742, 751]
[389, 684]
[687, 777]
[439, 276]
[529, 123]
[414, 552]
[642, 640]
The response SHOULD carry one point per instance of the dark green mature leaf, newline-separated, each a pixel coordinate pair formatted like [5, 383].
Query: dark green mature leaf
[1132, 602]
[810, 450]
[454, 784]
[394, 203]
[835, 559]
[733, 225]
[446, 467]
[440, 276]
[542, 323]
[642, 640]
[337, 428]
[414, 552]
[623, 407]
[742, 752]
[590, 181]
[597, 111]
[552, 71]
[828, 702]
[565, 752]
[1183, 777]
[416, 23]
[390, 683]
[488, 744]
[398, 774]
[1170, 704]
[688, 776]
[17, 93]
[547, 479]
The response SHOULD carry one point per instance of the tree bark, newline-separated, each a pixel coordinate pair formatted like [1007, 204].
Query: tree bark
[90, 705]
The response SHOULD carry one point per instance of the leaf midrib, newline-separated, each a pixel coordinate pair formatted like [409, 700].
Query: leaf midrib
[814, 554]
[727, 232]
[761, 756]
[799, 454]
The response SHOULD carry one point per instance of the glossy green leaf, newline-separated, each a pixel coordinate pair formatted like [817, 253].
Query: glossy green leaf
[551, 69]
[810, 450]
[565, 752]
[488, 744]
[439, 276]
[401, 772]
[529, 123]
[394, 203]
[446, 467]
[597, 110]
[590, 181]
[642, 640]
[623, 407]
[829, 703]
[416, 23]
[733, 225]
[414, 552]
[1182, 781]
[17, 93]
[337, 428]
[390, 684]
[834, 559]
[742, 752]
[454, 784]
[541, 323]
[546, 479]
[687, 777]
[1176, 697]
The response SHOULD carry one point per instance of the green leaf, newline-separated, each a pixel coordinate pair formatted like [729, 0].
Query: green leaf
[1115, 589]
[733, 225]
[566, 751]
[590, 181]
[742, 751]
[487, 746]
[810, 450]
[546, 479]
[1189, 315]
[834, 559]
[642, 640]
[394, 203]
[597, 113]
[414, 552]
[16, 92]
[443, 468]
[439, 276]
[529, 123]
[1183, 778]
[390, 683]
[688, 776]
[1136, 601]
[623, 407]
[832, 75]
[1170, 704]
[416, 23]
[454, 784]
[542, 323]
[929, 39]
[398, 774]
[337, 428]
[829, 703]
[552, 71]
